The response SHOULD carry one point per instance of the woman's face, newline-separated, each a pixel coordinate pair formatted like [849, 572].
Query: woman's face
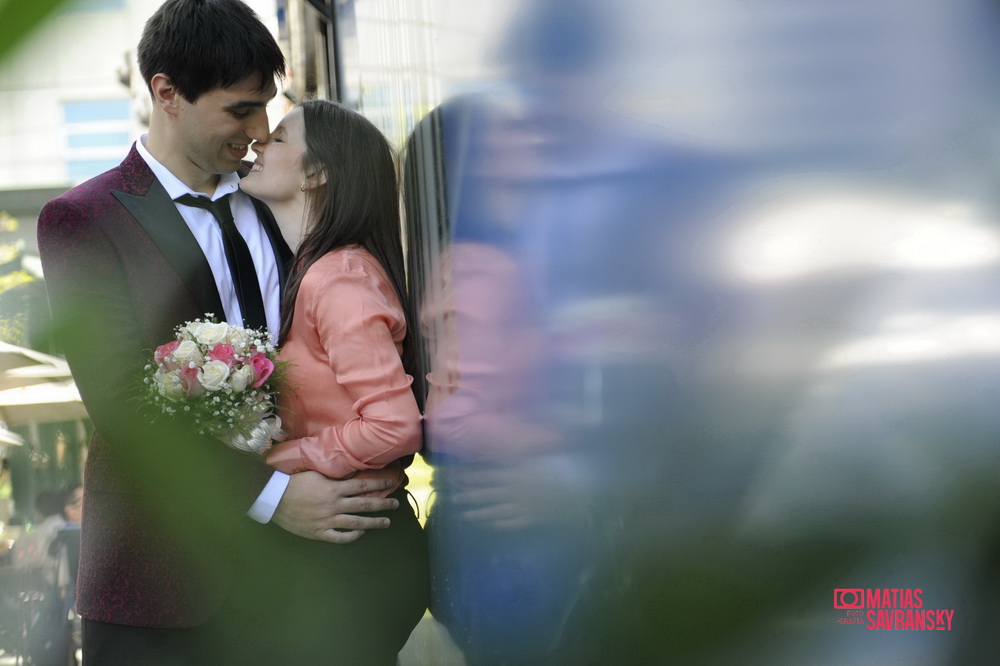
[277, 174]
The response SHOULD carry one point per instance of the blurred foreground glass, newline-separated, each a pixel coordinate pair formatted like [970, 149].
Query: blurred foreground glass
[710, 304]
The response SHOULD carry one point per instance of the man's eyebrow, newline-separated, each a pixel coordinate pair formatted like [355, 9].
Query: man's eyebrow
[244, 104]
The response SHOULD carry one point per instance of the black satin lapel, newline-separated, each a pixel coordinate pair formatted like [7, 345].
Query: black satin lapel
[282, 252]
[158, 215]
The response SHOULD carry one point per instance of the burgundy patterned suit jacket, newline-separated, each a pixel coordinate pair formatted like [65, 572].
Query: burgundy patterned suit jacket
[164, 511]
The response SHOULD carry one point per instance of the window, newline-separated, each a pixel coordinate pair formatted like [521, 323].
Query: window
[97, 136]
[87, 6]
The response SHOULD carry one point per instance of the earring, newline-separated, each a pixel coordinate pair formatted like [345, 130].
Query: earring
[302, 188]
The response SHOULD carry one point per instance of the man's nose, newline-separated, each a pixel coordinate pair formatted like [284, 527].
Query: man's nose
[257, 127]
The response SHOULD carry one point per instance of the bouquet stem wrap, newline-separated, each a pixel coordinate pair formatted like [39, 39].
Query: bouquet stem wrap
[258, 439]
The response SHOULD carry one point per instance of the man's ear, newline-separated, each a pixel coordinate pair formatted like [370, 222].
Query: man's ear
[165, 94]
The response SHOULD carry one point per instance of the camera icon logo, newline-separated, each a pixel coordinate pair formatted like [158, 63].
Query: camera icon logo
[849, 597]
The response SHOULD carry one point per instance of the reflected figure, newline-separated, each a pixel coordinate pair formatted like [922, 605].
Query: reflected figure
[680, 391]
[507, 559]
[559, 310]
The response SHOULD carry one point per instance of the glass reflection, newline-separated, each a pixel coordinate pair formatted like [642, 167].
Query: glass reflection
[692, 366]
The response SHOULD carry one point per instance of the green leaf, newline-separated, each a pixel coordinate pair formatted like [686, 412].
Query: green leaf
[19, 17]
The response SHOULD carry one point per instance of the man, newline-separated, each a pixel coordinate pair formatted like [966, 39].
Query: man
[65, 547]
[31, 552]
[165, 529]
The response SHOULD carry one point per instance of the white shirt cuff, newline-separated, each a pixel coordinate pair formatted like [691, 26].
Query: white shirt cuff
[267, 502]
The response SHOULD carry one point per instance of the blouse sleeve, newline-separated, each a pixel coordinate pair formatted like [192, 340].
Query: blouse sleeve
[354, 322]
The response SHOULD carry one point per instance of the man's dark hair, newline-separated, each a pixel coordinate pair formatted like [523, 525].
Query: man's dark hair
[207, 44]
[47, 503]
[66, 496]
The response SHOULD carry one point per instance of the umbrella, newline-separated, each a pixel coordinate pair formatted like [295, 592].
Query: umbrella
[57, 370]
[20, 366]
[8, 438]
[41, 403]
[13, 356]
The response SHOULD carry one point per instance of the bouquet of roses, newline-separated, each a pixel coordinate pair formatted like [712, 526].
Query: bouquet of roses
[223, 377]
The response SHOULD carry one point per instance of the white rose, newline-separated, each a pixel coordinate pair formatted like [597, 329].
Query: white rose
[213, 375]
[238, 339]
[187, 331]
[210, 334]
[169, 384]
[188, 352]
[240, 378]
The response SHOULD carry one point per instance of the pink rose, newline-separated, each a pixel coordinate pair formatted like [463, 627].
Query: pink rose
[164, 355]
[262, 368]
[223, 352]
[189, 380]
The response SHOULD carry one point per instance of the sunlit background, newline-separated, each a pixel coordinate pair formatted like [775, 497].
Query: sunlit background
[709, 294]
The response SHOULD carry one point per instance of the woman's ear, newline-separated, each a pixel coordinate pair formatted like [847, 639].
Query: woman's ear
[314, 179]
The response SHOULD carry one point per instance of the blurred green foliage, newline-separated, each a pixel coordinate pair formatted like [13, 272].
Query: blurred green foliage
[19, 17]
[13, 318]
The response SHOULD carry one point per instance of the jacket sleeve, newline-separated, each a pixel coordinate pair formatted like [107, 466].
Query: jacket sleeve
[354, 323]
[94, 300]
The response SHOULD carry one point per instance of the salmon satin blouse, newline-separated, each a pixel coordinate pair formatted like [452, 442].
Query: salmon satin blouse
[347, 406]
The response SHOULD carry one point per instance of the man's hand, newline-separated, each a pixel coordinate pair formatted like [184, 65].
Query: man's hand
[316, 507]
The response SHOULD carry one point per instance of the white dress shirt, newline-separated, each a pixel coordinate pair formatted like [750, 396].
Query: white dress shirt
[208, 233]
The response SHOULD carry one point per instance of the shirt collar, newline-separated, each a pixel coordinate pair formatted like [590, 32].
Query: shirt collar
[228, 182]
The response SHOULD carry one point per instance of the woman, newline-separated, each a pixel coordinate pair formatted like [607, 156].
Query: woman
[329, 177]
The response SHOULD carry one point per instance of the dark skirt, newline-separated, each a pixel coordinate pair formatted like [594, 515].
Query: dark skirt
[314, 602]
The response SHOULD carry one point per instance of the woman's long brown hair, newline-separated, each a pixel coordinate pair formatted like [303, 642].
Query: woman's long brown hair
[358, 205]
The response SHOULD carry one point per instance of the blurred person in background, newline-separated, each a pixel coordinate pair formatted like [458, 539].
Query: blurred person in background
[66, 545]
[45, 595]
[65, 551]
[32, 550]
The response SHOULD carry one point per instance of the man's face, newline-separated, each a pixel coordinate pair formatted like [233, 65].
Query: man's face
[216, 130]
